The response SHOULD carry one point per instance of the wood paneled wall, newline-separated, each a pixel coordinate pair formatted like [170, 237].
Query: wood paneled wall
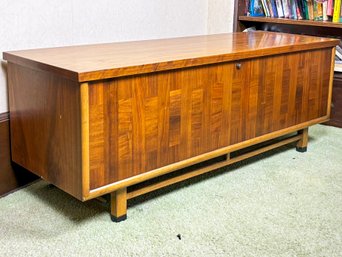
[11, 176]
[336, 108]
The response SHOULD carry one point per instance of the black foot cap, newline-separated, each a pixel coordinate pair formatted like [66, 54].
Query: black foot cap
[301, 149]
[118, 219]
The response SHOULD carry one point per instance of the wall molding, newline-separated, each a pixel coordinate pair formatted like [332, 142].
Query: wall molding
[4, 116]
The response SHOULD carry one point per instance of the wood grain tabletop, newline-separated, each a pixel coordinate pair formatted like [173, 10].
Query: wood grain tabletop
[102, 61]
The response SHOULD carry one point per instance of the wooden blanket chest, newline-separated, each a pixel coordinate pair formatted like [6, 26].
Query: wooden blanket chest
[98, 119]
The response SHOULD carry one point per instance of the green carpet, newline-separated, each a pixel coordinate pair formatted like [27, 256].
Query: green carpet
[282, 203]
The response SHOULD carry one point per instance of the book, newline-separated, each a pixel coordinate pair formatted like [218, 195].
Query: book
[338, 67]
[318, 11]
[266, 11]
[274, 8]
[286, 8]
[299, 10]
[311, 9]
[341, 14]
[269, 5]
[338, 52]
[246, 10]
[305, 9]
[256, 8]
[325, 10]
[337, 11]
[293, 9]
[279, 9]
[330, 7]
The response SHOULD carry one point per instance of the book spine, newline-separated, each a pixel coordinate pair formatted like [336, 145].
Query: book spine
[279, 9]
[293, 9]
[341, 14]
[274, 8]
[246, 10]
[330, 7]
[305, 9]
[311, 9]
[300, 12]
[256, 9]
[318, 11]
[286, 8]
[337, 11]
[266, 11]
[325, 10]
[270, 8]
[338, 52]
[299, 15]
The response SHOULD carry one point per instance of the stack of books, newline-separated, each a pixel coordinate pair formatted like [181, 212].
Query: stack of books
[317, 10]
[338, 58]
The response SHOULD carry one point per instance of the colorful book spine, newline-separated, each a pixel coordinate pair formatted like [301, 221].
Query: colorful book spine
[299, 15]
[269, 5]
[279, 9]
[286, 8]
[274, 9]
[337, 11]
[299, 10]
[293, 9]
[247, 4]
[330, 8]
[266, 11]
[311, 9]
[338, 52]
[318, 11]
[256, 8]
[305, 9]
[325, 9]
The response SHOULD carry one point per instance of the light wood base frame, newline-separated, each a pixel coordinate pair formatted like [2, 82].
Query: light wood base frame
[119, 205]
[119, 197]
[303, 143]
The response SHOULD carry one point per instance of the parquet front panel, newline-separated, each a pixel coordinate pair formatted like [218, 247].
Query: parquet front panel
[139, 123]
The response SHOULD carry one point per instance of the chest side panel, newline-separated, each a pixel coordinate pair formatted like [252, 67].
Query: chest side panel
[45, 126]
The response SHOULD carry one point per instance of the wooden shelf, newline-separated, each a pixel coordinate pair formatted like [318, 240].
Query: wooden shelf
[328, 24]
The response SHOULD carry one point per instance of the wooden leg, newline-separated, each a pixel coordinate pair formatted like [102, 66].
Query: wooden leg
[303, 143]
[118, 205]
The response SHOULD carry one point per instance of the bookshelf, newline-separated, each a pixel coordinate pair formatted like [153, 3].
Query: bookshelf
[305, 27]
[325, 24]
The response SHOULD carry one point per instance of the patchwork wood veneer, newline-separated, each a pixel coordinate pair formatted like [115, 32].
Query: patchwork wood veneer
[99, 119]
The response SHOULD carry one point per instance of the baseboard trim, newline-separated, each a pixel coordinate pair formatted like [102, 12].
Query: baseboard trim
[12, 176]
[4, 116]
[19, 187]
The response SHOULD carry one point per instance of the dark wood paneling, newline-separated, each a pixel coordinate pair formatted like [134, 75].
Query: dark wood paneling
[336, 108]
[45, 126]
[11, 176]
[239, 7]
[145, 122]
